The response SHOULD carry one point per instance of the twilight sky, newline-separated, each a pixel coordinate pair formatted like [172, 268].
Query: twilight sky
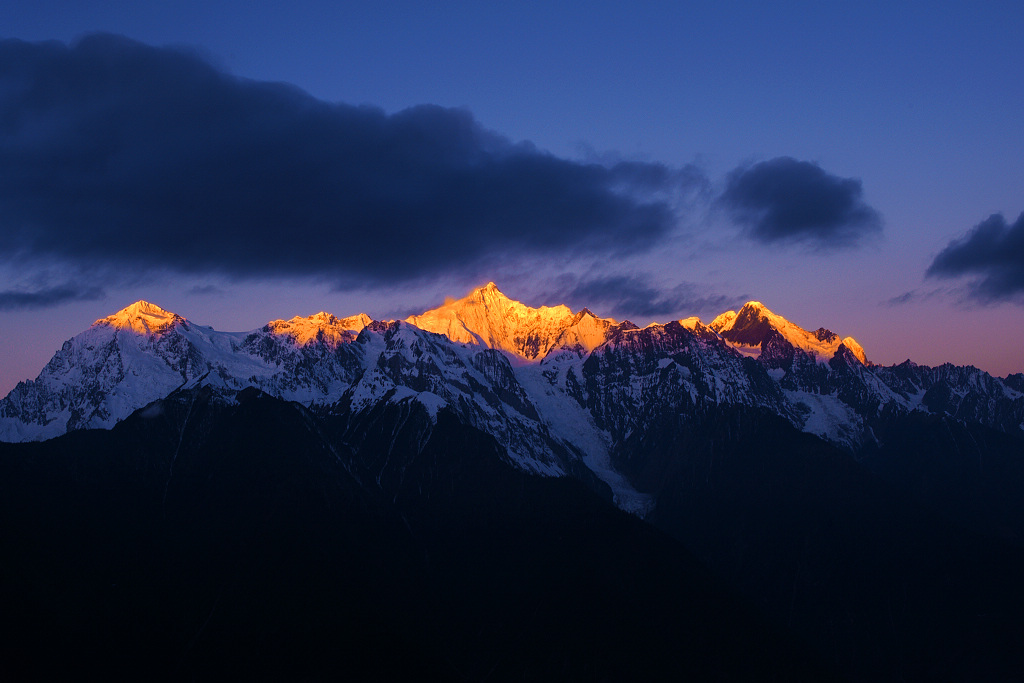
[855, 167]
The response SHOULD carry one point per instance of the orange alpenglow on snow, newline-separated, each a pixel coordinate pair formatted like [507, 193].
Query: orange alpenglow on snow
[330, 328]
[142, 317]
[748, 328]
[486, 316]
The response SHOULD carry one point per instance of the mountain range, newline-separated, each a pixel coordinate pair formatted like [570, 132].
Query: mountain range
[866, 520]
[549, 365]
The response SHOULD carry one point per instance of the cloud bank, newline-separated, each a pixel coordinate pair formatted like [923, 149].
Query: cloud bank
[993, 252]
[784, 200]
[119, 159]
[119, 155]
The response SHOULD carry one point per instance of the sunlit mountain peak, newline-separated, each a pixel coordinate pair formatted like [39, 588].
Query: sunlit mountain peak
[722, 320]
[142, 317]
[694, 324]
[754, 323]
[322, 326]
[486, 316]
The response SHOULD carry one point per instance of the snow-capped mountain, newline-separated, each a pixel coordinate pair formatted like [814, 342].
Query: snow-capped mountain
[488, 317]
[754, 324]
[320, 327]
[554, 387]
[99, 377]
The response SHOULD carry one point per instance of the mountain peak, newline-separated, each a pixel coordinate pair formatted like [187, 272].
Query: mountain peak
[487, 316]
[755, 322]
[323, 325]
[585, 313]
[755, 310]
[722, 321]
[488, 293]
[142, 317]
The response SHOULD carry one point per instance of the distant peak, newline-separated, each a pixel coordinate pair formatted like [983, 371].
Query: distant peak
[143, 307]
[142, 317]
[756, 314]
[486, 295]
[487, 292]
[487, 316]
[856, 349]
[322, 325]
[754, 323]
[754, 308]
[691, 323]
[722, 321]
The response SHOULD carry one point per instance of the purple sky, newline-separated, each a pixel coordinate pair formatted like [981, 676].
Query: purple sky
[855, 167]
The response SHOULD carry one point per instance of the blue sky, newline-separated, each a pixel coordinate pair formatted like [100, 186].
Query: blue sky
[893, 129]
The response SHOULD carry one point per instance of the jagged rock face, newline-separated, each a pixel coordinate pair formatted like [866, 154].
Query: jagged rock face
[309, 366]
[754, 326]
[839, 394]
[498, 372]
[640, 374]
[777, 353]
[827, 336]
[749, 327]
[963, 392]
[408, 365]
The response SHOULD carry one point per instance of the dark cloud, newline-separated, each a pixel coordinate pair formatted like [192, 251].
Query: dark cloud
[14, 299]
[785, 200]
[633, 296]
[993, 252]
[117, 154]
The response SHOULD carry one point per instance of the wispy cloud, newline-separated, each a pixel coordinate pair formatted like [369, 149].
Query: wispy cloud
[915, 296]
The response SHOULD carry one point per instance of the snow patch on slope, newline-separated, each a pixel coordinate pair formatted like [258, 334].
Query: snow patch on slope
[828, 417]
[574, 425]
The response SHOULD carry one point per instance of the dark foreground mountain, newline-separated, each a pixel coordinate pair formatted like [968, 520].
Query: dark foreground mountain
[880, 575]
[204, 540]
